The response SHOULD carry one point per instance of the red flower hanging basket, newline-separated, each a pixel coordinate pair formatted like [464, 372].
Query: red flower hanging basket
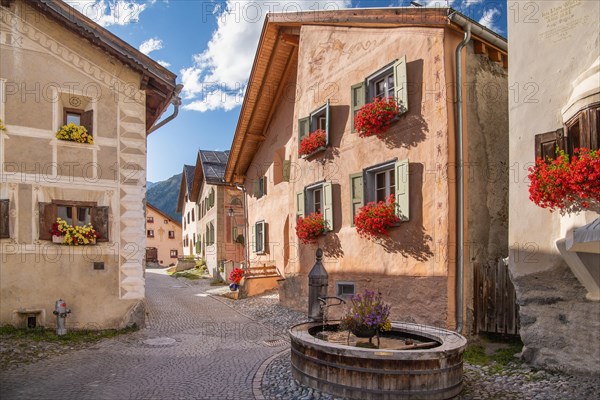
[313, 142]
[374, 119]
[374, 219]
[567, 184]
[308, 229]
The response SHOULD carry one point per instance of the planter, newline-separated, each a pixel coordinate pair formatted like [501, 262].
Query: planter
[364, 332]
[57, 239]
[317, 151]
[233, 287]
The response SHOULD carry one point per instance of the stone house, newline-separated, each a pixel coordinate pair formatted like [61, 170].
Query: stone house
[188, 210]
[554, 259]
[316, 70]
[66, 68]
[163, 237]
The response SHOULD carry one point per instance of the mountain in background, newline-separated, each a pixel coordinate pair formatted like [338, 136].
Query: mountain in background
[163, 195]
[150, 185]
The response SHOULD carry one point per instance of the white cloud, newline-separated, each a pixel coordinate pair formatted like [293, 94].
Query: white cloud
[469, 3]
[487, 19]
[109, 12]
[164, 63]
[151, 45]
[438, 3]
[222, 69]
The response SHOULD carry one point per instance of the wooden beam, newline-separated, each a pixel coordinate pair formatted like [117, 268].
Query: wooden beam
[294, 40]
[495, 55]
[256, 137]
[505, 61]
[479, 47]
[144, 82]
[279, 92]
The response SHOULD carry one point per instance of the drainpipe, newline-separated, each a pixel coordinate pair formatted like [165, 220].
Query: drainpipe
[460, 184]
[176, 101]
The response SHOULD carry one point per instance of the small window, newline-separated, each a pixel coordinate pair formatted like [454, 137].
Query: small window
[150, 233]
[150, 220]
[318, 119]
[188, 217]
[184, 224]
[381, 83]
[73, 116]
[75, 216]
[345, 289]
[380, 182]
[166, 221]
[194, 239]
[193, 216]
[317, 198]
[260, 187]
[259, 237]
[4, 220]
[173, 253]
[171, 234]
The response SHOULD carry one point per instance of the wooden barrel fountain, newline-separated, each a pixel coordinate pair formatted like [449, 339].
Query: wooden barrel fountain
[380, 374]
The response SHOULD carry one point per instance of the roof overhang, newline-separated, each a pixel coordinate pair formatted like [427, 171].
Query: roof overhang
[277, 55]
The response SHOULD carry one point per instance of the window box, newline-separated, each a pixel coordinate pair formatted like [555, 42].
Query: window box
[378, 183]
[389, 81]
[309, 228]
[74, 133]
[316, 123]
[73, 235]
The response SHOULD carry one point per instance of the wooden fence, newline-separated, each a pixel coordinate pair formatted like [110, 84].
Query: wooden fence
[496, 309]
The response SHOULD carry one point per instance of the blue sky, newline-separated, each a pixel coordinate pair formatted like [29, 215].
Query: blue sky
[210, 45]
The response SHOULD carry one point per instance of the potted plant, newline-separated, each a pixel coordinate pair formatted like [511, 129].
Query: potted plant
[374, 119]
[312, 143]
[374, 219]
[567, 184]
[368, 316]
[235, 277]
[74, 133]
[69, 235]
[309, 228]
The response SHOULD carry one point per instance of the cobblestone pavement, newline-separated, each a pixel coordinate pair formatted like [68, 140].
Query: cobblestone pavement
[203, 349]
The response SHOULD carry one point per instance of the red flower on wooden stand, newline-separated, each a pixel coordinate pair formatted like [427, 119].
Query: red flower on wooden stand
[566, 184]
[313, 142]
[375, 219]
[308, 229]
[374, 119]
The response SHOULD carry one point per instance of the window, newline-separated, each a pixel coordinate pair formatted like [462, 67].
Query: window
[194, 240]
[150, 233]
[184, 224]
[171, 234]
[318, 119]
[316, 198]
[583, 130]
[193, 217]
[345, 289]
[76, 213]
[166, 221]
[150, 220]
[188, 217]
[173, 253]
[78, 110]
[389, 81]
[210, 234]
[377, 183]
[259, 237]
[260, 187]
[72, 116]
[4, 221]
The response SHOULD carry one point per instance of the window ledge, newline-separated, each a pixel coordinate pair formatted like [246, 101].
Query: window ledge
[317, 151]
[68, 143]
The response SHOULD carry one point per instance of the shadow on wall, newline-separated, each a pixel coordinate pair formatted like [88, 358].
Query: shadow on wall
[410, 238]
[411, 129]
[332, 247]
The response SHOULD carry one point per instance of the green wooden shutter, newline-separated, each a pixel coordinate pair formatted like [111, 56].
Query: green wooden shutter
[256, 188]
[264, 236]
[327, 121]
[356, 194]
[400, 85]
[287, 170]
[252, 242]
[303, 129]
[300, 204]
[328, 205]
[359, 94]
[402, 190]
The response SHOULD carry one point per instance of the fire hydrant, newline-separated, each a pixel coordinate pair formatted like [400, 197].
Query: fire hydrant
[61, 311]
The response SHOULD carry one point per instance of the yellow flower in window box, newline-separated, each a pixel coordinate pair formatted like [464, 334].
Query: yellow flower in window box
[2, 127]
[74, 133]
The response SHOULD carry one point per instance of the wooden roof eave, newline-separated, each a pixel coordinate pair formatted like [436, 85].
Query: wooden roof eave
[156, 210]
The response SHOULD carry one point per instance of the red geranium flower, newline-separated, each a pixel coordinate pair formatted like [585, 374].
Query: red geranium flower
[375, 118]
[374, 219]
[308, 229]
[312, 142]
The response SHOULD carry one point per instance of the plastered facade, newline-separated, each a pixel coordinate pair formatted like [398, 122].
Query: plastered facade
[52, 68]
[166, 237]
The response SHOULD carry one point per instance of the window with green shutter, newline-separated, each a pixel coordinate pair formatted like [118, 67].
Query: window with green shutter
[358, 99]
[389, 178]
[317, 198]
[356, 194]
[318, 119]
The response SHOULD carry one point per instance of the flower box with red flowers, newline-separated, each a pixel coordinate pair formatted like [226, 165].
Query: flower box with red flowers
[567, 184]
[235, 277]
[374, 219]
[313, 143]
[308, 229]
[374, 119]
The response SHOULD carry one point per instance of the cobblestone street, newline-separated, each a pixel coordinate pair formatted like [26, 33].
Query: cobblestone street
[201, 349]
